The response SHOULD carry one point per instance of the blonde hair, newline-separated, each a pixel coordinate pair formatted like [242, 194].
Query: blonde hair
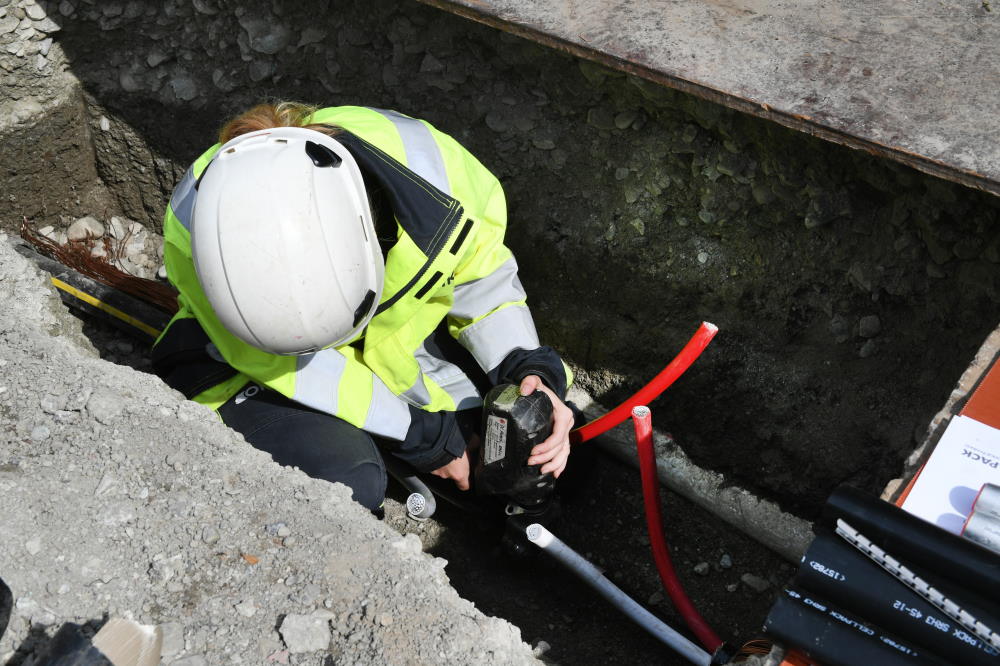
[266, 116]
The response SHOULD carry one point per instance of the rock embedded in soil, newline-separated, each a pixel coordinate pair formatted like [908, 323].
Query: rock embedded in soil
[869, 326]
[306, 633]
[84, 228]
[755, 583]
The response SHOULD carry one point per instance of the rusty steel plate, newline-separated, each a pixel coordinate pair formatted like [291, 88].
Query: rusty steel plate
[915, 81]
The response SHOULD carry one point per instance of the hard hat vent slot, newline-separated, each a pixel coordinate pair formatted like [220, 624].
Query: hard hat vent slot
[365, 306]
[322, 156]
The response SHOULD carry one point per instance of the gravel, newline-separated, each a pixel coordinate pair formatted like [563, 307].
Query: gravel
[145, 506]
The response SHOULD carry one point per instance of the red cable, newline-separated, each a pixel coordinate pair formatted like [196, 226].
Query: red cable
[654, 524]
[692, 350]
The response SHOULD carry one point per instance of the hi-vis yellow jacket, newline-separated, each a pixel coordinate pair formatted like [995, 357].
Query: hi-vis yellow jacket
[448, 264]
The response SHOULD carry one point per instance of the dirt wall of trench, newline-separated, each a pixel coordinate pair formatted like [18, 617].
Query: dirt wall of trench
[850, 292]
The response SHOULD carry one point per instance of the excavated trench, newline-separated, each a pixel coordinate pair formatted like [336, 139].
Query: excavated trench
[731, 577]
[850, 292]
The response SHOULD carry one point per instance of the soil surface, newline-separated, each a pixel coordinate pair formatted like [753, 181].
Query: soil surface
[606, 524]
[603, 519]
[122, 499]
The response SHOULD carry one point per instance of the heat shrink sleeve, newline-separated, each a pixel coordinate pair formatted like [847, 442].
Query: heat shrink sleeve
[911, 539]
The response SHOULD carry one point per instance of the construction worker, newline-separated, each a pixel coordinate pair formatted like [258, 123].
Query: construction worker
[343, 280]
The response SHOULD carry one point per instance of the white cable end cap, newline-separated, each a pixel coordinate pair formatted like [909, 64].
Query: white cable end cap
[416, 507]
[539, 536]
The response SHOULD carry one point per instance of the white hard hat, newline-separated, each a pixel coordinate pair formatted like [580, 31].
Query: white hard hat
[284, 243]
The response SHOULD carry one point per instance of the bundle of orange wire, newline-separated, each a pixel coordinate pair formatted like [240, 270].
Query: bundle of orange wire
[76, 255]
[757, 646]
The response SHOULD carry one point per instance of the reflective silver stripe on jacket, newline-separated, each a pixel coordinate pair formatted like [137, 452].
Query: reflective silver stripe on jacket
[475, 298]
[449, 377]
[423, 155]
[388, 416]
[317, 379]
[182, 201]
[417, 395]
[490, 339]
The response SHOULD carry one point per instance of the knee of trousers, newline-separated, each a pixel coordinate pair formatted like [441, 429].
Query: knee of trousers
[367, 480]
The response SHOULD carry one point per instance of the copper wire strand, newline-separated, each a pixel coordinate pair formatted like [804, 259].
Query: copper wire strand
[76, 255]
[757, 646]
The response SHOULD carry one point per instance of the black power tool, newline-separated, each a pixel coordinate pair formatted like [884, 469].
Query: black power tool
[513, 424]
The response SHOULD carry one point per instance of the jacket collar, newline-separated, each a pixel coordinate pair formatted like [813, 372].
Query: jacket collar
[425, 213]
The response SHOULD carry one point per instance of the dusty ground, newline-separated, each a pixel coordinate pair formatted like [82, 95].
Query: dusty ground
[122, 499]
[605, 522]
[607, 525]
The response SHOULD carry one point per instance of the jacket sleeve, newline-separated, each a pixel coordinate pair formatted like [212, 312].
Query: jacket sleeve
[490, 316]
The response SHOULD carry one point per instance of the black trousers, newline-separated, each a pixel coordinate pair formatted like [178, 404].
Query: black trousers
[322, 446]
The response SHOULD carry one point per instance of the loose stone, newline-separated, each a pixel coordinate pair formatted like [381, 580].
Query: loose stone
[105, 405]
[156, 58]
[868, 349]
[85, 227]
[755, 583]
[869, 326]
[117, 228]
[496, 122]
[625, 119]
[173, 639]
[51, 404]
[600, 118]
[246, 608]
[431, 65]
[305, 633]
[46, 26]
[34, 12]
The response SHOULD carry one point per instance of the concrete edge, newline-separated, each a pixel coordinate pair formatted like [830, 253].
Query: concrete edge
[481, 13]
[784, 533]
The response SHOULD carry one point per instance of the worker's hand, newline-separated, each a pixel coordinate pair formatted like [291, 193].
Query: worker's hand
[457, 470]
[553, 453]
